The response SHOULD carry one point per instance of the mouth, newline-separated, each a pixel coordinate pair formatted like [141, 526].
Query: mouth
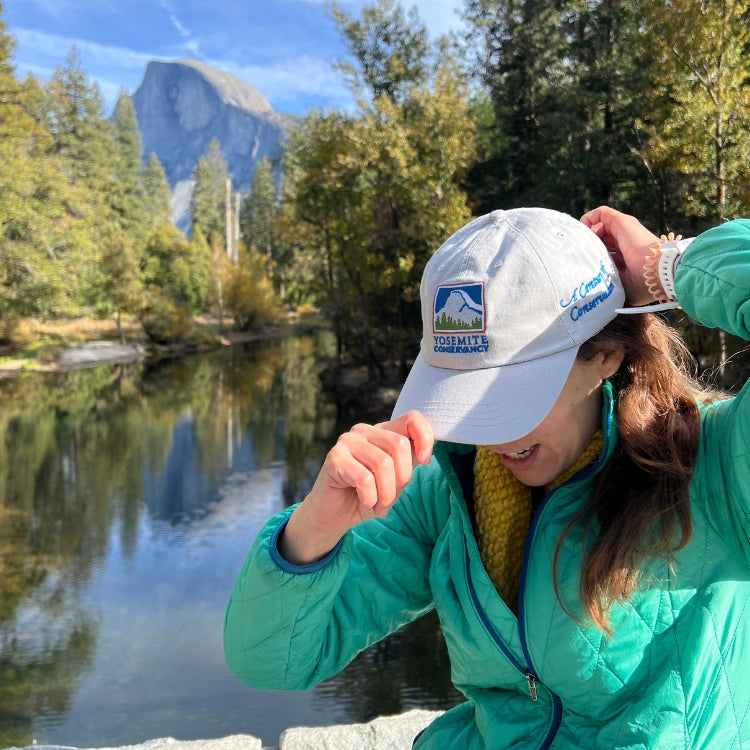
[521, 461]
[520, 454]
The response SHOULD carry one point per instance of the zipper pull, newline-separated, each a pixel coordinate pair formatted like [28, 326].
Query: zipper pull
[531, 679]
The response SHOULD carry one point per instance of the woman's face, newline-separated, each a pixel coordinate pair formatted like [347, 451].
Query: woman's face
[550, 449]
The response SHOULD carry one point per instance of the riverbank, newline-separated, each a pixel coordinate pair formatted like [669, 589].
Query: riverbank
[384, 733]
[77, 344]
[67, 345]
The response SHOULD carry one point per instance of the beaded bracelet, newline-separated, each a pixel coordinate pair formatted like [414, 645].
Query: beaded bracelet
[660, 265]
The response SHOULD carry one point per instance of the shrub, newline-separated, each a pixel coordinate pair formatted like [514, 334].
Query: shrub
[164, 322]
[19, 334]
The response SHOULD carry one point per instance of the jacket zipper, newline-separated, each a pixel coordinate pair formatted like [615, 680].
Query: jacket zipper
[509, 655]
[531, 678]
[527, 670]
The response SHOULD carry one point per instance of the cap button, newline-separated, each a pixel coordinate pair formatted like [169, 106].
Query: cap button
[497, 215]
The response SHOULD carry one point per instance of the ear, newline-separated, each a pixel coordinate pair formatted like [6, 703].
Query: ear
[610, 361]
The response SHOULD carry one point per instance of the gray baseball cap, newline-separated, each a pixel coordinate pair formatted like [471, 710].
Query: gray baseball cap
[506, 303]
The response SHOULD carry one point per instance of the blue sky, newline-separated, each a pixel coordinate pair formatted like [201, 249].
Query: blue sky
[284, 48]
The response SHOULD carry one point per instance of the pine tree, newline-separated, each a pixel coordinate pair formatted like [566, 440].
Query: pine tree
[83, 149]
[128, 197]
[120, 290]
[208, 203]
[157, 193]
[82, 135]
[594, 162]
[32, 220]
[201, 271]
[521, 60]
[258, 211]
[566, 85]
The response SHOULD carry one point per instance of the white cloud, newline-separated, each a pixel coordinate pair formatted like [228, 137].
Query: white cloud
[181, 30]
[281, 83]
[54, 46]
[191, 43]
[111, 68]
[43, 72]
[290, 80]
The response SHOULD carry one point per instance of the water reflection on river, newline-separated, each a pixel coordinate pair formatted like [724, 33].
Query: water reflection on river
[128, 499]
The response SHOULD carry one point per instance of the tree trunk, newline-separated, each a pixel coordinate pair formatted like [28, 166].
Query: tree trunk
[119, 327]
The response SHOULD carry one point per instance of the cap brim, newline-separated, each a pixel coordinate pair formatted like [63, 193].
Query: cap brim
[485, 406]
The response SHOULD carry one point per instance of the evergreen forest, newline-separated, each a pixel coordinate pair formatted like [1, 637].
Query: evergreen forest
[568, 104]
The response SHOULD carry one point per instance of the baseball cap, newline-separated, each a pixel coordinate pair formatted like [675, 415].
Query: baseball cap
[506, 303]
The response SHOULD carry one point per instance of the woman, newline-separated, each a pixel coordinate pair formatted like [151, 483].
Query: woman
[582, 523]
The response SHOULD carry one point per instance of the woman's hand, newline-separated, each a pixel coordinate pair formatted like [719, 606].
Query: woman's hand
[630, 243]
[362, 477]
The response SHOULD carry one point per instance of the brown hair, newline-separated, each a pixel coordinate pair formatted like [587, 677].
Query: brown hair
[639, 505]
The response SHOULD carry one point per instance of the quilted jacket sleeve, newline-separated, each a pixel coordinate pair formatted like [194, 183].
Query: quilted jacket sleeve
[289, 627]
[713, 286]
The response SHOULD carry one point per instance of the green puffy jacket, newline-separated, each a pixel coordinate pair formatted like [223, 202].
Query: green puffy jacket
[674, 674]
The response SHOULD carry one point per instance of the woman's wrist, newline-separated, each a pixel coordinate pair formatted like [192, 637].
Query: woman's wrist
[299, 545]
[660, 266]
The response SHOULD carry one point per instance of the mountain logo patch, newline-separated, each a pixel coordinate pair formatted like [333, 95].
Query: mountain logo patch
[459, 308]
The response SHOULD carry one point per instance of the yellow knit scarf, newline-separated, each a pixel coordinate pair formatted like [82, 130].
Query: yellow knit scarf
[502, 507]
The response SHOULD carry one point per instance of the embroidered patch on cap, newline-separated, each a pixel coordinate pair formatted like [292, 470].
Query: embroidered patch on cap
[459, 307]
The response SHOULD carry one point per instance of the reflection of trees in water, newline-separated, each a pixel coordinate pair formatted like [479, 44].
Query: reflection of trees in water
[408, 669]
[308, 418]
[54, 509]
[43, 653]
[55, 513]
[74, 447]
[76, 452]
[230, 401]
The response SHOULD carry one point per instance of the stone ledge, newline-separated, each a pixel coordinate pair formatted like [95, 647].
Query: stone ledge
[99, 353]
[383, 733]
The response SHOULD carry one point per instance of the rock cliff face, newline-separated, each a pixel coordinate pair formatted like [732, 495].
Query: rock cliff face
[181, 106]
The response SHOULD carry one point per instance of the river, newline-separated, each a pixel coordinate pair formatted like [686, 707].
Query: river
[129, 498]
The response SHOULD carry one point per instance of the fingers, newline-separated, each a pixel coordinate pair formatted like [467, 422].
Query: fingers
[414, 426]
[616, 229]
[605, 223]
[377, 462]
[603, 215]
[630, 243]
[383, 465]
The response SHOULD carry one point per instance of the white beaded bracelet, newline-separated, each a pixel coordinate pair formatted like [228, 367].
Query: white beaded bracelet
[660, 266]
